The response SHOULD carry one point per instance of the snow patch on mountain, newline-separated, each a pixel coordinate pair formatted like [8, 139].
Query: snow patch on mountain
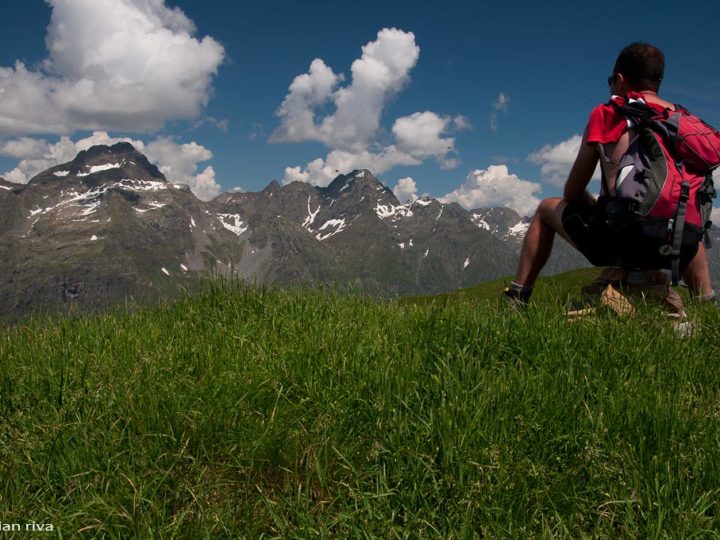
[91, 209]
[385, 211]
[338, 223]
[232, 223]
[142, 185]
[89, 200]
[480, 222]
[99, 168]
[311, 215]
[153, 206]
[61, 173]
[519, 229]
[106, 167]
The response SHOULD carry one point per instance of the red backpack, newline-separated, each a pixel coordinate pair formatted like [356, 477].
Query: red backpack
[664, 179]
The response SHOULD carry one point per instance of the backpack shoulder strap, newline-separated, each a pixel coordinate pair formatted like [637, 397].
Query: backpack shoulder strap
[637, 111]
[644, 116]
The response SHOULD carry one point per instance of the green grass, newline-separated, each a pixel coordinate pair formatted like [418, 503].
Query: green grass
[548, 290]
[258, 413]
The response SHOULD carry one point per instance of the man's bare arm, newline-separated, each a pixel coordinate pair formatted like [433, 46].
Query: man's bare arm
[581, 173]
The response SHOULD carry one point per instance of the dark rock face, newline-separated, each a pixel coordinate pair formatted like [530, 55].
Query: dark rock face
[108, 226]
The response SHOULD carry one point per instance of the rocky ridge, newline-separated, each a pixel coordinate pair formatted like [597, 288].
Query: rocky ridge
[108, 226]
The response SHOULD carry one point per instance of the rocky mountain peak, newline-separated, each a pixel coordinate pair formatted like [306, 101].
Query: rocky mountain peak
[354, 181]
[105, 163]
[272, 187]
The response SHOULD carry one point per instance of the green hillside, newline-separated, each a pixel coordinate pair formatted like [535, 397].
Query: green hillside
[246, 413]
[560, 287]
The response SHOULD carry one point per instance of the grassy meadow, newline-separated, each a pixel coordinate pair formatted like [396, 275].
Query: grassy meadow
[244, 413]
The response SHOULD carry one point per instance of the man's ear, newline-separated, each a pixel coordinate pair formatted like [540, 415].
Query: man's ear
[621, 83]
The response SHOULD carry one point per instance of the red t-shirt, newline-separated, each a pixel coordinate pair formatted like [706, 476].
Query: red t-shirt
[606, 125]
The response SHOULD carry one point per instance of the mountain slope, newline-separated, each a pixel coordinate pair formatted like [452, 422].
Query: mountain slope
[108, 225]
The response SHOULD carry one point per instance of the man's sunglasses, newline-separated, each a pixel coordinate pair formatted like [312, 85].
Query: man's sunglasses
[611, 79]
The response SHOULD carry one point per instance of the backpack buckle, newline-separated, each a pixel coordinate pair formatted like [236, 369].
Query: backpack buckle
[685, 191]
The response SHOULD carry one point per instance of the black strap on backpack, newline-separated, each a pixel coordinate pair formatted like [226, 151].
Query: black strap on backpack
[641, 114]
[706, 194]
[678, 228]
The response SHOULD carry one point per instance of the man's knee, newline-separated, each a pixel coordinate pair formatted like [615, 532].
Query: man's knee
[548, 208]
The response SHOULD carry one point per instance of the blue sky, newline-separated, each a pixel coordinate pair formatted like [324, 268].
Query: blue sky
[524, 76]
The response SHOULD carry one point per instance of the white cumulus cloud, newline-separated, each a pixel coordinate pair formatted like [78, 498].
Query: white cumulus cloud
[296, 112]
[23, 147]
[494, 187]
[377, 76]
[555, 161]
[125, 65]
[406, 190]
[179, 162]
[352, 129]
[419, 135]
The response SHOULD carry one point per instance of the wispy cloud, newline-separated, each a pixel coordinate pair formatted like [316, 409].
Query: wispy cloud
[501, 104]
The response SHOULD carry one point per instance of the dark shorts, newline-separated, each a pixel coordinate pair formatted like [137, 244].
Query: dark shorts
[635, 245]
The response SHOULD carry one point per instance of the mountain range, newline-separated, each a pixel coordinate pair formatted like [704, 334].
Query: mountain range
[108, 226]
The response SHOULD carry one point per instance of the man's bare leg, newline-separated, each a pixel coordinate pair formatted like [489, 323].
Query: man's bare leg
[539, 240]
[697, 275]
[538, 243]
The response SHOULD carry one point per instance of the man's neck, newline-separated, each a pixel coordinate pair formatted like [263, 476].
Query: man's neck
[650, 96]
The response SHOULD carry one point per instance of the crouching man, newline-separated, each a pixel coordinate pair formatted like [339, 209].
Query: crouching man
[581, 219]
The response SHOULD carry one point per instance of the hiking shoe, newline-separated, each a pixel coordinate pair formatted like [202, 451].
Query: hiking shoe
[515, 299]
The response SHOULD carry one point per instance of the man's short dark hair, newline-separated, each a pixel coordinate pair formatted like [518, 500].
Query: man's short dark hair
[642, 65]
